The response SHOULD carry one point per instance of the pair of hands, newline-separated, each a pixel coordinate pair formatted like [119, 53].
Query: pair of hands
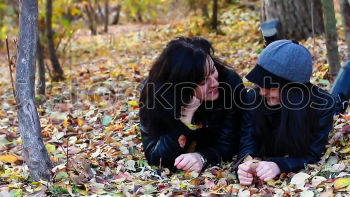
[189, 162]
[265, 170]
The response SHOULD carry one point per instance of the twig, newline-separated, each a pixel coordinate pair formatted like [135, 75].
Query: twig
[66, 154]
[49, 71]
[313, 29]
[160, 168]
[60, 40]
[67, 157]
[10, 65]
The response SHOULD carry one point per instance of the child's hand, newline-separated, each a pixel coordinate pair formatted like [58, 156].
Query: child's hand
[267, 170]
[245, 173]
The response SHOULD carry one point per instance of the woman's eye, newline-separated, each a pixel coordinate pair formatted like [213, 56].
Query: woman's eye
[203, 82]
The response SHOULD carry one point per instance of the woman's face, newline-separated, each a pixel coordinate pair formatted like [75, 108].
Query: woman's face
[272, 95]
[208, 90]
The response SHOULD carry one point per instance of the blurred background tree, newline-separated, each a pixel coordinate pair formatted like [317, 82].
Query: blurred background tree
[299, 19]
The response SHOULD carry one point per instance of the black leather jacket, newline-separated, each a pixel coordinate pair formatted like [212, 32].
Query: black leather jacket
[217, 140]
[249, 144]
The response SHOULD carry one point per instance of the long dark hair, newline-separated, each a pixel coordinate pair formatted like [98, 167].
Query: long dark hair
[172, 80]
[298, 122]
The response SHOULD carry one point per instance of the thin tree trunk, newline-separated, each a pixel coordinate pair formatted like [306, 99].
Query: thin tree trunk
[205, 12]
[90, 20]
[106, 15]
[295, 16]
[57, 70]
[214, 22]
[139, 15]
[41, 69]
[98, 17]
[34, 151]
[116, 16]
[331, 38]
[345, 9]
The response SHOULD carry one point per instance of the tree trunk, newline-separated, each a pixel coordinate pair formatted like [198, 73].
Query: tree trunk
[331, 38]
[205, 12]
[91, 22]
[116, 16]
[41, 69]
[214, 22]
[98, 17]
[296, 17]
[35, 154]
[139, 15]
[345, 9]
[106, 15]
[57, 70]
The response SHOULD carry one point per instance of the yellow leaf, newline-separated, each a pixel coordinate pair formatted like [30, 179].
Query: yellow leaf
[271, 182]
[65, 123]
[50, 148]
[133, 103]
[346, 150]
[195, 182]
[80, 122]
[341, 183]
[84, 191]
[115, 74]
[8, 158]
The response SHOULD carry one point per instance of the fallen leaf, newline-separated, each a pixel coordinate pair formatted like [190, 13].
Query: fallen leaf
[106, 120]
[307, 194]
[61, 176]
[133, 103]
[299, 179]
[50, 148]
[346, 129]
[341, 183]
[39, 193]
[8, 158]
[317, 180]
[327, 193]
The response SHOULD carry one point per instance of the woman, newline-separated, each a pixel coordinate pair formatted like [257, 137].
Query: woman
[189, 115]
[288, 120]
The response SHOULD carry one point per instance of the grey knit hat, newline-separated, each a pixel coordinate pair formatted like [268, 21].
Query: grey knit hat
[283, 59]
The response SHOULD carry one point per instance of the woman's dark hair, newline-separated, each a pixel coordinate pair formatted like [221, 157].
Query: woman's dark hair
[298, 121]
[172, 80]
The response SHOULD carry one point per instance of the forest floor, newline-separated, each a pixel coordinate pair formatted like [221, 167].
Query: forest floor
[94, 115]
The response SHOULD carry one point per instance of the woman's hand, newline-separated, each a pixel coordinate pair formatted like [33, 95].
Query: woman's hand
[245, 173]
[189, 162]
[267, 170]
[188, 111]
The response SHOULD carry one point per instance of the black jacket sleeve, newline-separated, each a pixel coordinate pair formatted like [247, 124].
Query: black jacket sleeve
[227, 142]
[165, 148]
[319, 141]
[247, 143]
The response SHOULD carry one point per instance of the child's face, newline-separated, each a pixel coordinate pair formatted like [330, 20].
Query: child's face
[272, 95]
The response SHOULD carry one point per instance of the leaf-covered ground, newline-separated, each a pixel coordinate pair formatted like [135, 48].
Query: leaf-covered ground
[93, 116]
